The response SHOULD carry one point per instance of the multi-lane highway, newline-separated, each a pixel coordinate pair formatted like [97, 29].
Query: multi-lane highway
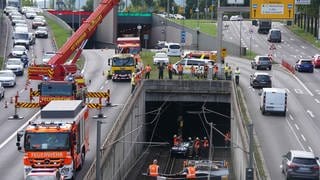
[298, 130]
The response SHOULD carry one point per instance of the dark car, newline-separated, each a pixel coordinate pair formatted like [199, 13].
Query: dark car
[260, 80]
[304, 65]
[274, 35]
[261, 62]
[300, 164]
[182, 149]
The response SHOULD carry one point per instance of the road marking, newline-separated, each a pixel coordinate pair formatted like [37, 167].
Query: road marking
[297, 126]
[310, 148]
[286, 89]
[295, 135]
[317, 91]
[15, 133]
[298, 91]
[310, 113]
[317, 101]
[303, 85]
[303, 137]
[290, 117]
[21, 91]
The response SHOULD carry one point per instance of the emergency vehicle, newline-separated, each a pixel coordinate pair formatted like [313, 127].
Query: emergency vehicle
[57, 138]
[121, 67]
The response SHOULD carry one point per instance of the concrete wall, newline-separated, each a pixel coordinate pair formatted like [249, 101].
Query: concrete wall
[119, 150]
[166, 30]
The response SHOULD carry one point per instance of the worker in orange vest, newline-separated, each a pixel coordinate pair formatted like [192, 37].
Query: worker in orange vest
[215, 71]
[147, 70]
[193, 71]
[196, 146]
[176, 140]
[153, 169]
[190, 171]
[205, 143]
[180, 71]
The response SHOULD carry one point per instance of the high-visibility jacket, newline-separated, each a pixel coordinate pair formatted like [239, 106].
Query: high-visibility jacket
[180, 68]
[205, 143]
[170, 67]
[197, 144]
[154, 170]
[133, 79]
[148, 68]
[237, 72]
[191, 172]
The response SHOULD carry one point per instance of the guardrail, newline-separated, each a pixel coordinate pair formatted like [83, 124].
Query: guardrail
[288, 66]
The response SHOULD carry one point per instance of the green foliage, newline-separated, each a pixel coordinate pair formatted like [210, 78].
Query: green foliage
[206, 26]
[60, 34]
[1, 61]
[88, 6]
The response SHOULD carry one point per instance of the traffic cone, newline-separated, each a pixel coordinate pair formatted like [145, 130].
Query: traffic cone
[5, 104]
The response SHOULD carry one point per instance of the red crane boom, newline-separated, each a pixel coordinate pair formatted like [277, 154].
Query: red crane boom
[56, 69]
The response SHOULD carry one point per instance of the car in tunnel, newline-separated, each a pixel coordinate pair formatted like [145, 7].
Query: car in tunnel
[182, 149]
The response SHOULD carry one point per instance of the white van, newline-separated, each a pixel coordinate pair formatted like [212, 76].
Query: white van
[273, 100]
[187, 63]
[174, 49]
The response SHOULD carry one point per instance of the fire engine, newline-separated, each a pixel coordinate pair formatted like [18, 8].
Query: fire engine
[121, 67]
[54, 73]
[57, 138]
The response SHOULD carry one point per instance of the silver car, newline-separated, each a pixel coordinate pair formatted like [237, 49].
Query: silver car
[7, 78]
[15, 65]
[300, 164]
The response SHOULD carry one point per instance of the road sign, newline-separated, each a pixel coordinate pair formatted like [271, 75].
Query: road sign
[302, 2]
[183, 37]
[235, 2]
[272, 9]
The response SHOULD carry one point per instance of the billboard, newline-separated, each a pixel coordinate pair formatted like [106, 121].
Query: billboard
[302, 2]
[272, 9]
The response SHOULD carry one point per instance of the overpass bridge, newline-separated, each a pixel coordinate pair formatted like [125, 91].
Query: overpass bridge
[151, 113]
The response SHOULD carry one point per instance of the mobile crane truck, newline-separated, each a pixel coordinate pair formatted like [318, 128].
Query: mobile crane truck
[57, 138]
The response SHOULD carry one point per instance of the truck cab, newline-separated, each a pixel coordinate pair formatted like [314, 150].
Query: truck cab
[264, 26]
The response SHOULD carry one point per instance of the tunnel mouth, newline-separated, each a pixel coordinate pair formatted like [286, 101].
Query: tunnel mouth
[189, 119]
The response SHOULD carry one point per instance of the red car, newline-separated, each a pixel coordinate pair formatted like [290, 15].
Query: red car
[45, 174]
[316, 60]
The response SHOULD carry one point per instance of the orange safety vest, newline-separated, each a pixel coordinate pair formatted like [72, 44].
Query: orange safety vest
[180, 68]
[153, 170]
[216, 69]
[205, 143]
[191, 172]
[148, 69]
[193, 70]
[176, 141]
[197, 144]
[170, 67]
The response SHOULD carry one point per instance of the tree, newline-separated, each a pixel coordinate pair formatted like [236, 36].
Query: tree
[88, 6]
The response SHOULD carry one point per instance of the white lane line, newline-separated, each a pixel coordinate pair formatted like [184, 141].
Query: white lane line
[297, 127]
[304, 86]
[310, 113]
[290, 116]
[317, 101]
[287, 90]
[298, 91]
[310, 148]
[21, 91]
[15, 133]
[294, 133]
[303, 137]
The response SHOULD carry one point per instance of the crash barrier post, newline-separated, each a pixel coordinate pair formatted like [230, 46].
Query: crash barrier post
[15, 116]
[5, 104]
[288, 66]
[100, 114]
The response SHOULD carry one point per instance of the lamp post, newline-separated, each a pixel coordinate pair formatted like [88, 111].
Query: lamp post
[198, 27]
[139, 27]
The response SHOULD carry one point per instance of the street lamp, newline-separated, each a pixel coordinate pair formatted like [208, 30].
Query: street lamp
[139, 27]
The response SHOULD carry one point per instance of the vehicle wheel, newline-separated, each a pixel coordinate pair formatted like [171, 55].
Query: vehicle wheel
[284, 113]
[270, 68]
[311, 71]
[83, 157]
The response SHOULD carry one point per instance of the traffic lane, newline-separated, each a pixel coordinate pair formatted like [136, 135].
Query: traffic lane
[275, 134]
[42, 46]
[120, 91]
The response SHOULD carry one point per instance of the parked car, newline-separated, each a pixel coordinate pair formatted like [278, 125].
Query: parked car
[260, 80]
[300, 164]
[304, 65]
[42, 32]
[161, 57]
[1, 91]
[182, 149]
[187, 63]
[236, 18]
[18, 51]
[7, 78]
[178, 16]
[15, 65]
[261, 62]
[316, 60]
[45, 174]
[47, 55]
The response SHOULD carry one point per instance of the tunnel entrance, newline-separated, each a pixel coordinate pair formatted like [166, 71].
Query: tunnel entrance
[164, 120]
